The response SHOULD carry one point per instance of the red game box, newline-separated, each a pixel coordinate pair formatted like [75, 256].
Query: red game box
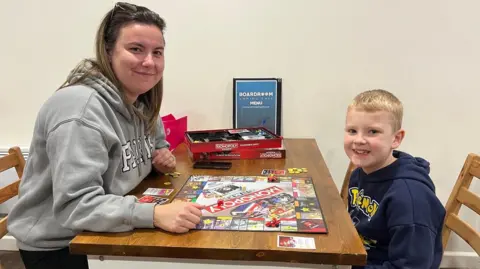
[273, 153]
[231, 140]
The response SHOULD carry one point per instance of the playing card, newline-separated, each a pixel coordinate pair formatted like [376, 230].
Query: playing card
[153, 199]
[161, 201]
[147, 199]
[296, 242]
[266, 172]
[158, 192]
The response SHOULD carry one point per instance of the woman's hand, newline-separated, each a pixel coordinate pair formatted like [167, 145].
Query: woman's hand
[178, 217]
[163, 160]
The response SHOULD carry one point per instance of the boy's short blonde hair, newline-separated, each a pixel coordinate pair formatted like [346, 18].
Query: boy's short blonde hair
[380, 100]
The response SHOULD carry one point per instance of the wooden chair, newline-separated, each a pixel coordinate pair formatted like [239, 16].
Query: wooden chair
[14, 159]
[346, 181]
[461, 195]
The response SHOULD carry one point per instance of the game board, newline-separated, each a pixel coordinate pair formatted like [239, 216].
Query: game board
[248, 203]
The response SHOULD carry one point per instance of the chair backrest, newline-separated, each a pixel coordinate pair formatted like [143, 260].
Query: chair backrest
[461, 195]
[346, 181]
[14, 159]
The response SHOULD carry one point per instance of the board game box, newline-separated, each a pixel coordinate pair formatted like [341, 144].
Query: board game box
[231, 140]
[274, 153]
[249, 203]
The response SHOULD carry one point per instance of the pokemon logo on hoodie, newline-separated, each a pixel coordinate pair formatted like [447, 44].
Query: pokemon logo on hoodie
[362, 202]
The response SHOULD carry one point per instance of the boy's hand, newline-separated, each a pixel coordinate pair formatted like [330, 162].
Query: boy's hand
[163, 160]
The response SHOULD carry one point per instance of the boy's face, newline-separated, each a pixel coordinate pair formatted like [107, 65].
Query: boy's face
[369, 139]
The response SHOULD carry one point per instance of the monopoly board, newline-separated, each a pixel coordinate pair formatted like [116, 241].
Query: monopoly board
[250, 202]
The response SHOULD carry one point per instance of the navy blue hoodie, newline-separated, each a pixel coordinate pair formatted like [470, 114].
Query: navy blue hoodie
[397, 214]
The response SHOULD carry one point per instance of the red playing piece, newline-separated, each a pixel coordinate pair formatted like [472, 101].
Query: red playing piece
[272, 178]
[220, 203]
[275, 222]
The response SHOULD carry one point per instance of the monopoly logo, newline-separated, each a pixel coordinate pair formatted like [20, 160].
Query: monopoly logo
[245, 199]
[271, 154]
[226, 146]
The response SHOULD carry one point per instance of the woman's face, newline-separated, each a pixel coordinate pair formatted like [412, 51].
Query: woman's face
[137, 58]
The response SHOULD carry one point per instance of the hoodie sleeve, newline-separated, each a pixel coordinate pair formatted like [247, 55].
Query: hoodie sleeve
[78, 158]
[411, 220]
[160, 137]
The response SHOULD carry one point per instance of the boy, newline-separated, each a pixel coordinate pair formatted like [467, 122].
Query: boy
[392, 199]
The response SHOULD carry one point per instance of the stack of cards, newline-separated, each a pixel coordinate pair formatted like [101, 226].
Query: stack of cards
[266, 172]
[158, 192]
[151, 196]
[153, 199]
[295, 242]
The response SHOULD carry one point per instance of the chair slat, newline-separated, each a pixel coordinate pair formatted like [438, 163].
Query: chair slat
[20, 166]
[465, 231]
[7, 162]
[346, 182]
[9, 191]
[14, 159]
[475, 167]
[459, 196]
[469, 199]
[3, 226]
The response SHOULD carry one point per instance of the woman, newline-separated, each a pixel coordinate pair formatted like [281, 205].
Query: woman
[95, 140]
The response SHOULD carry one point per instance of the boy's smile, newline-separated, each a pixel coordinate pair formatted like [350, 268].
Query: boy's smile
[369, 139]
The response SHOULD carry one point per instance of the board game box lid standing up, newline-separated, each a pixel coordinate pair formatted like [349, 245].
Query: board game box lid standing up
[255, 203]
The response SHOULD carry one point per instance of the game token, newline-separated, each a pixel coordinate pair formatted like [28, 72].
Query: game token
[272, 178]
[297, 170]
[174, 174]
[293, 170]
[275, 222]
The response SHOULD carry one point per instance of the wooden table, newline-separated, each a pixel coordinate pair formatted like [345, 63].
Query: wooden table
[341, 245]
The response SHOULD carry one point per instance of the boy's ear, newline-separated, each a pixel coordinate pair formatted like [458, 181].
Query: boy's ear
[398, 138]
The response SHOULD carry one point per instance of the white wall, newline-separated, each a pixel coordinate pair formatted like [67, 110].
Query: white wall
[426, 52]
